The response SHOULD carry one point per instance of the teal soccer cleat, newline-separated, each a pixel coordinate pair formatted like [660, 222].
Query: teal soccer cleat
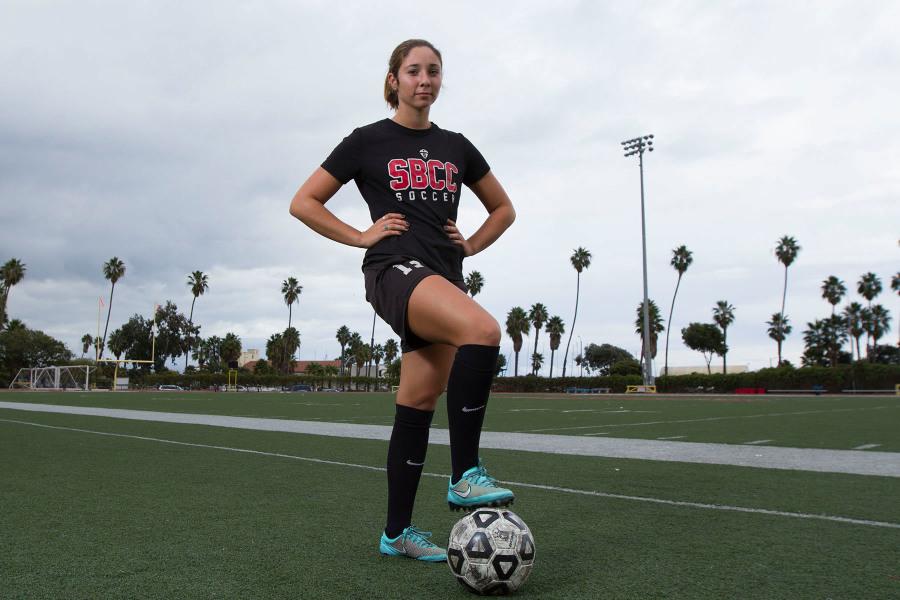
[476, 489]
[413, 543]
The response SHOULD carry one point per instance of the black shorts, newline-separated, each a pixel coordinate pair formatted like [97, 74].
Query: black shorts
[388, 289]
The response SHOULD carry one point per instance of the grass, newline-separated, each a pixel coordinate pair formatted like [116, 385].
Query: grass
[88, 515]
[833, 422]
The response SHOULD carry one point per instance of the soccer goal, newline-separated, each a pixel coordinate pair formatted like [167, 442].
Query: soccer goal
[61, 377]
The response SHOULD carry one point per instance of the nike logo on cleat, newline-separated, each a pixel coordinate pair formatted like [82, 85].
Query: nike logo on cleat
[414, 464]
[463, 493]
[466, 409]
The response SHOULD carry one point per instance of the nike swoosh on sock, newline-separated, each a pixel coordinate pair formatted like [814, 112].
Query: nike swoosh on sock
[414, 464]
[466, 409]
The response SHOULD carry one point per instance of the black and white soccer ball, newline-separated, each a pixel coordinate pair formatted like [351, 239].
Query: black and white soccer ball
[491, 551]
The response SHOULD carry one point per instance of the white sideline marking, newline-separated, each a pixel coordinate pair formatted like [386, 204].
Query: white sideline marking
[757, 442]
[598, 433]
[784, 414]
[873, 462]
[528, 409]
[673, 437]
[866, 446]
[581, 410]
[537, 486]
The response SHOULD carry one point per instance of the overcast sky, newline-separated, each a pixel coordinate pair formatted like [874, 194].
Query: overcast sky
[174, 134]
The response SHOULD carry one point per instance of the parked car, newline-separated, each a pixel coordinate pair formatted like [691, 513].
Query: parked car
[170, 388]
[300, 387]
[329, 390]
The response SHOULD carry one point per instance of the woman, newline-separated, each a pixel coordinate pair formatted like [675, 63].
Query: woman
[409, 172]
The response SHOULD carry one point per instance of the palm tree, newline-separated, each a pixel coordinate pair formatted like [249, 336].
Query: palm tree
[681, 260]
[354, 344]
[391, 350]
[377, 355]
[199, 283]
[853, 319]
[474, 281]
[113, 271]
[11, 273]
[537, 316]
[868, 287]
[230, 349]
[343, 338]
[517, 325]
[581, 260]
[833, 289]
[291, 290]
[779, 329]
[723, 315]
[877, 322]
[536, 361]
[87, 340]
[786, 250]
[656, 327]
[118, 342]
[361, 353]
[16, 325]
[895, 285]
[555, 327]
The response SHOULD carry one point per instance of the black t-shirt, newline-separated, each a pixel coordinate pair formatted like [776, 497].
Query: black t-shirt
[415, 172]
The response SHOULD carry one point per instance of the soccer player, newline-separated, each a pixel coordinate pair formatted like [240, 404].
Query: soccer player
[410, 173]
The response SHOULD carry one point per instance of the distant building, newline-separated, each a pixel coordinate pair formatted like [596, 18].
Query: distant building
[251, 355]
[713, 368]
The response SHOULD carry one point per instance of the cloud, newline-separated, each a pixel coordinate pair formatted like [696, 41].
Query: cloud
[173, 135]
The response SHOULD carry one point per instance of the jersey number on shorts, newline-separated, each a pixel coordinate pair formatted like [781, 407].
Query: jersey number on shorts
[407, 270]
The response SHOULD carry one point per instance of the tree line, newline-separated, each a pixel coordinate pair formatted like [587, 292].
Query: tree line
[177, 335]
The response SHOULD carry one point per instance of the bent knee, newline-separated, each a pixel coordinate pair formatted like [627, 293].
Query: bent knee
[421, 399]
[485, 332]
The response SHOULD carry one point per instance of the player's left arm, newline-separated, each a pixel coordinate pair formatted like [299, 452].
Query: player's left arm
[501, 215]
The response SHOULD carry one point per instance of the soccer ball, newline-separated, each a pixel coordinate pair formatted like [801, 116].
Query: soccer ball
[491, 551]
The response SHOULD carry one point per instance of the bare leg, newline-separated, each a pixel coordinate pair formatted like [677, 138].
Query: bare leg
[438, 311]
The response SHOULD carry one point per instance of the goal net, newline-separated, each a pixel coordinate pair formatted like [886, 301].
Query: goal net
[64, 377]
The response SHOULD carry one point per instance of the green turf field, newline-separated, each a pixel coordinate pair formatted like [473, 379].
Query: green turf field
[162, 510]
[836, 422]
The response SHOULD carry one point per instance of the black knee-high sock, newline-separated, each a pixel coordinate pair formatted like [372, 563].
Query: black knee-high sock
[406, 456]
[467, 396]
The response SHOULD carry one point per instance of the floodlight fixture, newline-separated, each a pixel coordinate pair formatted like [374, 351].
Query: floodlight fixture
[631, 147]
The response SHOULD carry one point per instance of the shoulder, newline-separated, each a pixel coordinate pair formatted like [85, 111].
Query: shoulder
[372, 130]
[451, 135]
[457, 138]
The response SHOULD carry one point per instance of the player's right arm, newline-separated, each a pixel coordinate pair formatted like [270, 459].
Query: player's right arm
[308, 205]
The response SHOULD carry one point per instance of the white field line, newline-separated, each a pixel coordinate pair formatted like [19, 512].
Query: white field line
[672, 437]
[537, 486]
[784, 414]
[755, 442]
[866, 446]
[871, 462]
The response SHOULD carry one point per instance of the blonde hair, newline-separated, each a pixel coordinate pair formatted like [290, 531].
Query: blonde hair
[397, 56]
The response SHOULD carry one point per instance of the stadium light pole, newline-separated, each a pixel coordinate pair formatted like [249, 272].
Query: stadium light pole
[631, 147]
